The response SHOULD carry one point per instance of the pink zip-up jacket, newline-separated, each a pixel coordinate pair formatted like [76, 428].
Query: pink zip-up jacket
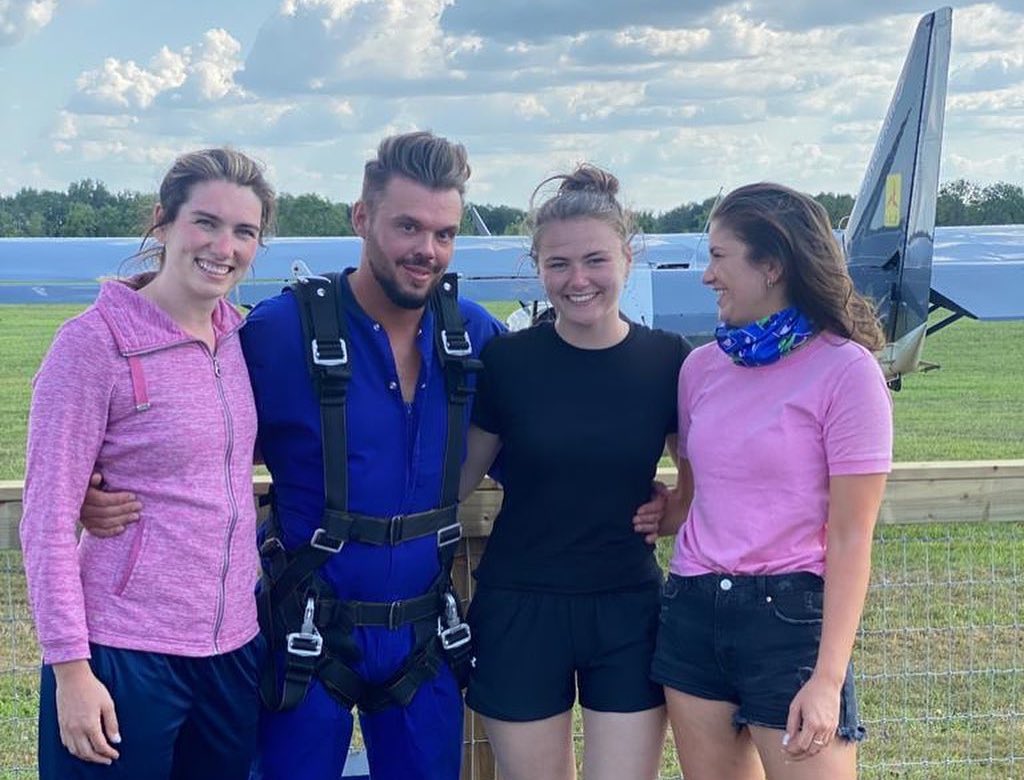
[124, 390]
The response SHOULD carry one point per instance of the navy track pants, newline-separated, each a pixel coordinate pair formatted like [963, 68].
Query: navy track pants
[180, 718]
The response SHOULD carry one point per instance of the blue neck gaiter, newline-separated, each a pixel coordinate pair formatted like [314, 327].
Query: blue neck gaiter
[765, 341]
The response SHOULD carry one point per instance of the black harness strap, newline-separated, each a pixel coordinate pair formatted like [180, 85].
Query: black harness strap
[293, 594]
[455, 351]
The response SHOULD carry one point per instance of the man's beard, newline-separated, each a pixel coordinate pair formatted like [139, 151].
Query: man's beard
[401, 298]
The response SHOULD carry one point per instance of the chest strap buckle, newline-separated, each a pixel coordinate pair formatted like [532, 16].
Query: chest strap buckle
[306, 642]
[321, 541]
[452, 631]
[450, 534]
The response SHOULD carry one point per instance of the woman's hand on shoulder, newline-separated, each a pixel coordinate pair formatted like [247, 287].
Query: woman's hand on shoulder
[85, 714]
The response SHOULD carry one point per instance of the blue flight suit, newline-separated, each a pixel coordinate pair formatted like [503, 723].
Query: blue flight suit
[395, 458]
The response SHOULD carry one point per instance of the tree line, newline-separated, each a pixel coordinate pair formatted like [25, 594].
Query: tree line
[88, 208]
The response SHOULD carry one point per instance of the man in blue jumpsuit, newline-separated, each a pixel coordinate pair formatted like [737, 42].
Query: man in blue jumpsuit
[396, 416]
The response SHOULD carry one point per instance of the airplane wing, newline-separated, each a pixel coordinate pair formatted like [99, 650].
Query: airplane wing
[69, 270]
[978, 271]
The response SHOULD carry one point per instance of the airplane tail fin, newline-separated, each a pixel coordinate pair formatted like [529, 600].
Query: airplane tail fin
[889, 239]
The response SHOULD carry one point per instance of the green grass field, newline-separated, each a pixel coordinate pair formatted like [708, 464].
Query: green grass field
[969, 409]
[941, 657]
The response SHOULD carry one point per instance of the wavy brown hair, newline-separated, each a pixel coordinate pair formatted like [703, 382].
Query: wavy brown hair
[779, 223]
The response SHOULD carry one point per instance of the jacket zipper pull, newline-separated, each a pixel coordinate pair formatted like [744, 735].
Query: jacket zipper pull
[216, 366]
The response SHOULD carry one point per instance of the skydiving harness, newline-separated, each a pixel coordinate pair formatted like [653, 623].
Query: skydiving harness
[298, 611]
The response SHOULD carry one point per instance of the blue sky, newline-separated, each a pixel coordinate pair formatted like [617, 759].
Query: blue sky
[678, 98]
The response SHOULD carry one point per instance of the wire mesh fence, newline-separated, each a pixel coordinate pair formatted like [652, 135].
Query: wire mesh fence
[942, 653]
[940, 659]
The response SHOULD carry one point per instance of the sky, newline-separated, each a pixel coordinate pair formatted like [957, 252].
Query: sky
[678, 98]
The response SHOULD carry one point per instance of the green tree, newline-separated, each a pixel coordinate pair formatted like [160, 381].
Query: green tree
[34, 225]
[42, 212]
[81, 220]
[88, 208]
[838, 206]
[955, 203]
[311, 215]
[1000, 204]
[89, 192]
[646, 222]
[500, 220]
[687, 218]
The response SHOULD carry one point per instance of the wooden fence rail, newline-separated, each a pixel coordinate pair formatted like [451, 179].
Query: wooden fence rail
[943, 492]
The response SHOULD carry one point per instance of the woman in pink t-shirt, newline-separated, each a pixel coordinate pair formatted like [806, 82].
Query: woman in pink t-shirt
[785, 439]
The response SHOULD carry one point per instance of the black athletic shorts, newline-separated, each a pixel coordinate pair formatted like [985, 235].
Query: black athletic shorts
[534, 649]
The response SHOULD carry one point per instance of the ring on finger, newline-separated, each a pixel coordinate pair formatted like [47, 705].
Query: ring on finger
[819, 741]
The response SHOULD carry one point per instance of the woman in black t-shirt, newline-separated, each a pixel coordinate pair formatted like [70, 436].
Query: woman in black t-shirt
[567, 590]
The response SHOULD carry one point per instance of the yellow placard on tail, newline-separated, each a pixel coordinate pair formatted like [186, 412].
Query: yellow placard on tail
[893, 193]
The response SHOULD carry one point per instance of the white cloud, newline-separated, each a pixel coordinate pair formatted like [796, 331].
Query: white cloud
[125, 85]
[638, 45]
[314, 44]
[21, 18]
[678, 98]
[214, 64]
[530, 107]
[65, 129]
[967, 164]
[528, 20]
[195, 75]
[989, 71]
[988, 26]
[990, 102]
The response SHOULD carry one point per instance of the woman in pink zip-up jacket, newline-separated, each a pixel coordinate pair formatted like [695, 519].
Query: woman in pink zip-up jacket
[149, 638]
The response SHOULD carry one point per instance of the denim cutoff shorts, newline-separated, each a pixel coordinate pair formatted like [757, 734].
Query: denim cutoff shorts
[749, 640]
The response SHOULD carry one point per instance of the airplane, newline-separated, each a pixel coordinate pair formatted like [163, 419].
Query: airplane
[895, 253]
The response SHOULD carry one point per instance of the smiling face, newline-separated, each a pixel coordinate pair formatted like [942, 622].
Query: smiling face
[742, 286]
[211, 242]
[409, 236]
[583, 266]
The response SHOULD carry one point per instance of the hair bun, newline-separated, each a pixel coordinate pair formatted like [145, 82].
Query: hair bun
[589, 178]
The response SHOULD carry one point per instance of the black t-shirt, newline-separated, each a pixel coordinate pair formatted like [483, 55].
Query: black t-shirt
[582, 432]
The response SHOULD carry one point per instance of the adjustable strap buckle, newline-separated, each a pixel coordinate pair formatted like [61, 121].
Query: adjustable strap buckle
[321, 358]
[332, 546]
[456, 633]
[456, 344]
[394, 619]
[456, 636]
[395, 530]
[273, 558]
[271, 546]
[306, 642]
[450, 534]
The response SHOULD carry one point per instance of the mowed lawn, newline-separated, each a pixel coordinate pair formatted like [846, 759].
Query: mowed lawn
[969, 409]
[941, 654]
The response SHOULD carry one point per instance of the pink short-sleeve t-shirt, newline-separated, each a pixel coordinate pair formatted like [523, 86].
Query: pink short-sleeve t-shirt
[763, 442]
